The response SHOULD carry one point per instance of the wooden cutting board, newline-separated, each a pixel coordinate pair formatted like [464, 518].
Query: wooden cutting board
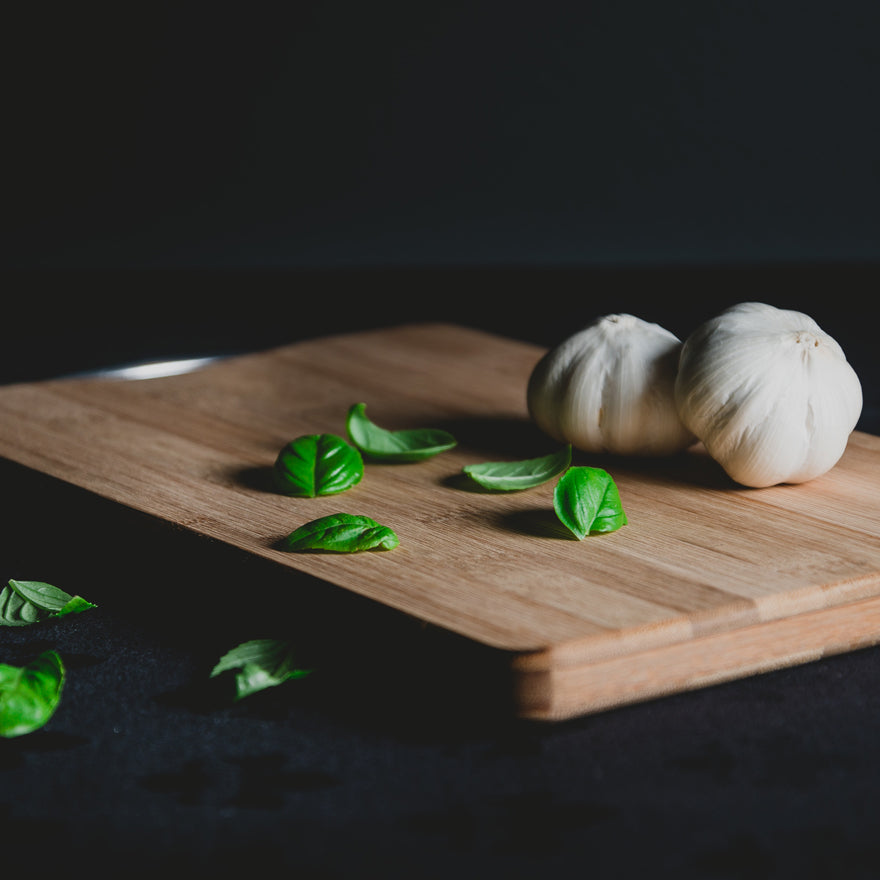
[707, 582]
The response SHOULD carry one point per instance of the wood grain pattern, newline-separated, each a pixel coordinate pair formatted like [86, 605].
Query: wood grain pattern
[709, 581]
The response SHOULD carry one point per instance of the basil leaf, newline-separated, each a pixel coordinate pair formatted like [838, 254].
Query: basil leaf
[30, 694]
[512, 476]
[587, 501]
[26, 602]
[15, 611]
[400, 446]
[45, 596]
[75, 606]
[341, 533]
[259, 664]
[317, 464]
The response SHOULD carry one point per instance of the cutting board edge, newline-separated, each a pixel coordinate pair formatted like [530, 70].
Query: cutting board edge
[728, 618]
[565, 691]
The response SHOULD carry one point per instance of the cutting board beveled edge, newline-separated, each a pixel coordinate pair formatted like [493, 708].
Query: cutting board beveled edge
[442, 372]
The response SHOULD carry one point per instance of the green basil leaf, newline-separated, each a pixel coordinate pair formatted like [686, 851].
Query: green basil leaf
[29, 695]
[400, 446]
[27, 602]
[260, 664]
[587, 501]
[341, 533]
[45, 596]
[15, 611]
[75, 606]
[317, 464]
[512, 476]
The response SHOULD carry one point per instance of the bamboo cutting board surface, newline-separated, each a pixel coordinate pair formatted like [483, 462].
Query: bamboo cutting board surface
[707, 582]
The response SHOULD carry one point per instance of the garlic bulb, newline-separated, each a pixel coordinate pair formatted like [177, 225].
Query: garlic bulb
[769, 393]
[610, 388]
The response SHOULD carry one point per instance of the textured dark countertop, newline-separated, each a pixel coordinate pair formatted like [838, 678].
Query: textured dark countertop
[370, 767]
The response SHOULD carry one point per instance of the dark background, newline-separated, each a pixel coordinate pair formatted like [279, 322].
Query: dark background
[345, 134]
[194, 175]
[187, 179]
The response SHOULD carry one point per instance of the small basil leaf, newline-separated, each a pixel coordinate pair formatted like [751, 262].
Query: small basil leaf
[45, 596]
[75, 606]
[341, 533]
[260, 664]
[29, 695]
[27, 602]
[317, 464]
[587, 501]
[14, 611]
[512, 476]
[400, 446]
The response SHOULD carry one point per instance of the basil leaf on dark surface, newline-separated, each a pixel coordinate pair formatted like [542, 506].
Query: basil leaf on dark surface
[395, 446]
[15, 611]
[26, 602]
[75, 606]
[513, 476]
[29, 695]
[317, 464]
[341, 533]
[259, 664]
[587, 501]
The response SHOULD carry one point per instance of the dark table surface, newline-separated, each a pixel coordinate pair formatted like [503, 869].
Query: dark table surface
[372, 766]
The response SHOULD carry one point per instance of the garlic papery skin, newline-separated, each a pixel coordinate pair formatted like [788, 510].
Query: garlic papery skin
[769, 393]
[609, 388]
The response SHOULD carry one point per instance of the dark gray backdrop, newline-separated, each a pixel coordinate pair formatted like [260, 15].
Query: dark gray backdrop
[346, 133]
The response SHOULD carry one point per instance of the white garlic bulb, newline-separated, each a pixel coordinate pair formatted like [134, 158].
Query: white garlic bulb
[769, 393]
[610, 388]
